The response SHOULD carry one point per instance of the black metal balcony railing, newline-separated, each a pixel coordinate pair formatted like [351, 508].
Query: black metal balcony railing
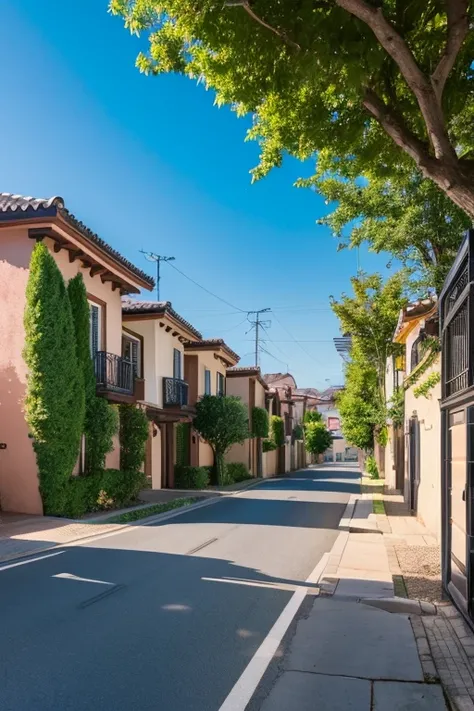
[175, 392]
[113, 373]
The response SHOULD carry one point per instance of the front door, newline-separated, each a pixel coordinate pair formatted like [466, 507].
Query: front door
[414, 462]
[457, 490]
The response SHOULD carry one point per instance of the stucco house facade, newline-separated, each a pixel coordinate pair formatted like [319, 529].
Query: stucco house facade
[107, 277]
[248, 384]
[413, 452]
[205, 365]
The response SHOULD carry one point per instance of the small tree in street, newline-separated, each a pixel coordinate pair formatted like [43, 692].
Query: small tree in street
[221, 421]
[317, 438]
[312, 416]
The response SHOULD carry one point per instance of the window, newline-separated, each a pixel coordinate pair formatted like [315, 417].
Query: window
[95, 328]
[207, 382]
[131, 351]
[177, 372]
[417, 352]
[220, 389]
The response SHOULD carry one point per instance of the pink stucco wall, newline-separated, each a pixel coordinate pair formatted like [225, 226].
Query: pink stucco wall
[18, 472]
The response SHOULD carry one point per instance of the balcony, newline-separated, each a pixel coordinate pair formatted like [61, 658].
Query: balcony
[175, 392]
[113, 374]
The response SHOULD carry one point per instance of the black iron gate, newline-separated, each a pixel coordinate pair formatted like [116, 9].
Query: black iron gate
[457, 428]
[414, 462]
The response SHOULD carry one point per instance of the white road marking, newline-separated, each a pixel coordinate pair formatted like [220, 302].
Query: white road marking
[70, 576]
[30, 560]
[259, 584]
[250, 678]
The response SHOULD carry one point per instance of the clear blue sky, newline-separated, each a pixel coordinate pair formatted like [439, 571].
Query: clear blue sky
[150, 163]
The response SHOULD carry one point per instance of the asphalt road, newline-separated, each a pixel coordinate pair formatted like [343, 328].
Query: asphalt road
[187, 604]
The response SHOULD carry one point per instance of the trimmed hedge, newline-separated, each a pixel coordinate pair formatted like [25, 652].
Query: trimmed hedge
[110, 488]
[277, 427]
[260, 423]
[269, 445]
[371, 467]
[55, 403]
[134, 428]
[191, 477]
[236, 471]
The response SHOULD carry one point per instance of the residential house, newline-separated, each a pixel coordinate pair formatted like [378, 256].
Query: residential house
[412, 455]
[107, 276]
[456, 303]
[248, 384]
[163, 335]
[340, 450]
[205, 367]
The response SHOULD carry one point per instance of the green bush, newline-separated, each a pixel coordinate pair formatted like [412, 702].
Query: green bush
[236, 471]
[277, 427]
[133, 437]
[268, 445]
[260, 423]
[55, 403]
[371, 467]
[101, 419]
[298, 432]
[106, 489]
[191, 477]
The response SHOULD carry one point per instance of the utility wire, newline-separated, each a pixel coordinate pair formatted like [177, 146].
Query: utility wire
[232, 306]
[297, 342]
[264, 350]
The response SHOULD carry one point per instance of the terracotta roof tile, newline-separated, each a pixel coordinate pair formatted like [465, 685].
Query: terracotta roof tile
[134, 306]
[50, 207]
[218, 342]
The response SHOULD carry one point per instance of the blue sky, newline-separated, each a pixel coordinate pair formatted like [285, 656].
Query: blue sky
[150, 163]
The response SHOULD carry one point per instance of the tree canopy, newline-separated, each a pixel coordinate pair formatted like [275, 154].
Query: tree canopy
[401, 213]
[399, 88]
[222, 421]
[317, 437]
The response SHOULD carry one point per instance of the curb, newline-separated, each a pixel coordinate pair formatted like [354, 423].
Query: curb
[120, 527]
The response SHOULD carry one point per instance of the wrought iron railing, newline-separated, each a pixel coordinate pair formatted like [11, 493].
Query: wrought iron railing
[175, 392]
[113, 372]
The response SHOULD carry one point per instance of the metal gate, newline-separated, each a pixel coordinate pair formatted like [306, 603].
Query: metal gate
[457, 404]
[414, 462]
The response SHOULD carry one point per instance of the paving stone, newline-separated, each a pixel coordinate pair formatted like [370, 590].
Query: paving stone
[307, 692]
[350, 639]
[397, 696]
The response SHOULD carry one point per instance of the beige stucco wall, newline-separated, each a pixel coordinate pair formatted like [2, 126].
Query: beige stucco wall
[240, 387]
[157, 356]
[429, 417]
[270, 463]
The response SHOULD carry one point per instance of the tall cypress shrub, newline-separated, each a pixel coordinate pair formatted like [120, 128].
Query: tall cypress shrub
[101, 419]
[54, 404]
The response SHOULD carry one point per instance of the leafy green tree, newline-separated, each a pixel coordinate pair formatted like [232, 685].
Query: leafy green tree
[317, 438]
[399, 88]
[260, 422]
[54, 404]
[360, 404]
[221, 421]
[101, 419]
[401, 213]
[312, 416]
[370, 317]
[134, 429]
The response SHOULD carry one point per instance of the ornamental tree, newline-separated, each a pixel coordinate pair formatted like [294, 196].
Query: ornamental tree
[401, 213]
[387, 82]
[54, 405]
[221, 421]
[317, 438]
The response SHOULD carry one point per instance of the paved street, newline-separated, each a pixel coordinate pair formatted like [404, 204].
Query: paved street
[165, 616]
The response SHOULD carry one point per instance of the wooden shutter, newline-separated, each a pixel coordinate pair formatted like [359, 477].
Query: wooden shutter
[136, 358]
[176, 364]
[94, 329]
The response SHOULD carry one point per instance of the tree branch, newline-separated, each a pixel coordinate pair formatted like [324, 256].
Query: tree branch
[417, 81]
[245, 4]
[457, 30]
[395, 128]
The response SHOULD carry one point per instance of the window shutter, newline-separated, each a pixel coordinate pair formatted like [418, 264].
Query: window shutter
[136, 358]
[177, 364]
[207, 382]
[94, 329]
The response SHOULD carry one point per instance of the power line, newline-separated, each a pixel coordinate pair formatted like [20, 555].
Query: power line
[297, 342]
[257, 324]
[274, 357]
[158, 258]
[207, 290]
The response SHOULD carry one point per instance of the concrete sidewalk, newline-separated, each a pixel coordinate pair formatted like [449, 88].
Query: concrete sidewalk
[361, 648]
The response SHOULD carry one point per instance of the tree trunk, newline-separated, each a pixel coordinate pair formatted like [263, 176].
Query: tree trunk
[220, 468]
